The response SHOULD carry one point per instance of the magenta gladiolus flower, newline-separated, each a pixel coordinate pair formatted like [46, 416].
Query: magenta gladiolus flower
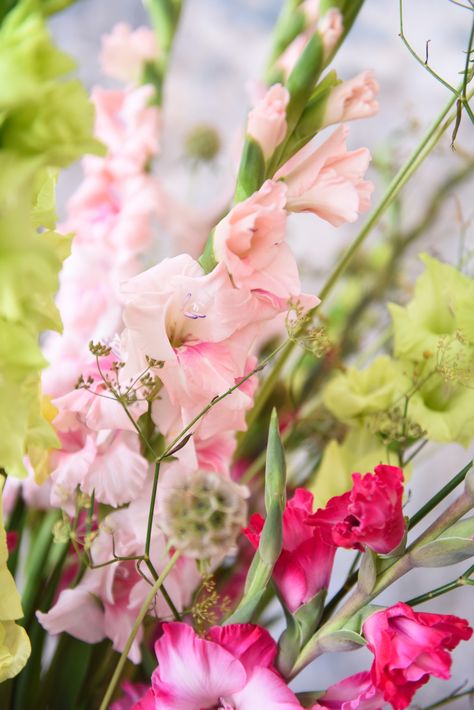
[369, 514]
[305, 562]
[354, 693]
[232, 669]
[410, 646]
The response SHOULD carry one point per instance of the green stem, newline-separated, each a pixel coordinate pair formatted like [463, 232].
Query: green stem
[136, 626]
[450, 699]
[461, 581]
[439, 496]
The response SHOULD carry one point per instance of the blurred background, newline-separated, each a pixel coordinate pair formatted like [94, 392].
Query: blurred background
[221, 46]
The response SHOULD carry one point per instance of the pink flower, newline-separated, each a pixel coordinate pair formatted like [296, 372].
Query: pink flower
[232, 668]
[327, 180]
[132, 692]
[250, 242]
[128, 126]
[267, 120]
[107, 600]
[354, 693]
[125, 51]
[352, 99]
[305, 563]
[410, 646]
[370, 514]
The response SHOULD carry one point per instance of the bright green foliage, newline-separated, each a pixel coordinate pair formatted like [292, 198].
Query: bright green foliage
[45, 123]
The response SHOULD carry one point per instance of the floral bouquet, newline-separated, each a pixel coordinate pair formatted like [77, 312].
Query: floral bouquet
[206, 472]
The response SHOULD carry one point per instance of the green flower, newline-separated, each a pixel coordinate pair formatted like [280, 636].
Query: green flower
[445, 410]
[359, 393]
[440, 312]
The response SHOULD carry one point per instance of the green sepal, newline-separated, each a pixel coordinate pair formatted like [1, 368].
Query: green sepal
[367, 571]
[251, 171]
[303, 78]
[290, 24]
[271, 538]
[454, 545]
[340, 641]
[208, 259]
[312, 118]
[300, 626]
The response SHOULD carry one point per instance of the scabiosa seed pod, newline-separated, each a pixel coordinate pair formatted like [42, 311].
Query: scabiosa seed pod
[202, 513]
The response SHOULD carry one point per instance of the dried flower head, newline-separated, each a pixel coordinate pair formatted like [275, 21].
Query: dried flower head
[202, 513]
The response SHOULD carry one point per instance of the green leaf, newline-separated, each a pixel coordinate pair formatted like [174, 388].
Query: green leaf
[260, 571]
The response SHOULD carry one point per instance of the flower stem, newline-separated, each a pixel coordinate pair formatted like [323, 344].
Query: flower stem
[439, 496]
[462, 581]
[451, 699]
[138, 621]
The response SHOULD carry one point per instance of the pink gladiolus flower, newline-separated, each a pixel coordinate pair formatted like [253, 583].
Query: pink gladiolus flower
[107, 600]
[352, 99]
[331, 27]
[328, 180]
[231, 669]
[125, 51]
[267, 120]
[250, 242]
[128, 126]
[410, 646]
[370, 514]
[305, 563]
[354, 693]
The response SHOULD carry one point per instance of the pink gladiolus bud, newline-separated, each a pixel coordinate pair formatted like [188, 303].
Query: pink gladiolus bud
[410, 646]
[267, 120]
[354, 693]
[328, 180]
[125, 51]
[305, 562]
[370, 514]
[330, 29]
[231, 668]
[352, 99]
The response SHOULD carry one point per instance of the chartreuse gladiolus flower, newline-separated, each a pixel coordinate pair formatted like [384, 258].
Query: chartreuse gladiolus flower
[356, 394]
[444, 410]
[361, 451]
[440, 312]
[14, 643]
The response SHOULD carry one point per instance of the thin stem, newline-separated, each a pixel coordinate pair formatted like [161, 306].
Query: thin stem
[414, 453]
[151, 511]
[136, 626]
[439, 496]
[461, 581]
[453, 697]
[423, 62]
